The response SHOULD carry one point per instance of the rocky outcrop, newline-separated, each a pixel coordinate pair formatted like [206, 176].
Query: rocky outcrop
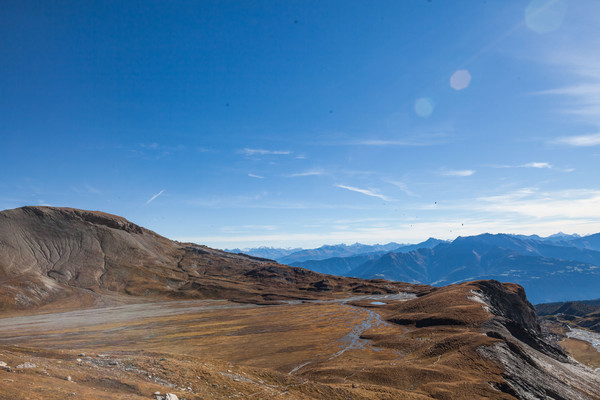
[504, 331]
[533, 368]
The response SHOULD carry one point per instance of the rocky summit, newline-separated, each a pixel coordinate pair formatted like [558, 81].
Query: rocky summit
[96, 307]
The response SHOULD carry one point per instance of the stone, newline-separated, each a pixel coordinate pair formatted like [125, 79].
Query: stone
[4, 366]
[26, 365]
[171, 396]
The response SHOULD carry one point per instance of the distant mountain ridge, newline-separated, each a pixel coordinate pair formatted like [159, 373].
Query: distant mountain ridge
[338, 250]
[555, 268]
[272, 253]
[343, 265]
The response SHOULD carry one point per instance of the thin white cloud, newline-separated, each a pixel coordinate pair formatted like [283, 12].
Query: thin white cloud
[256, 176]
[262, 152]
[367, 192]
[580, 141]
[307, 173]
[538, 165]
[581, 98]
[457, 172]
[377, 142]
[584, 99]
[416, 141]
[531, 202]
[154, 197]
[402, 186]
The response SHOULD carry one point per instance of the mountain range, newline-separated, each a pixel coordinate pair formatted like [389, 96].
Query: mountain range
[556, 268]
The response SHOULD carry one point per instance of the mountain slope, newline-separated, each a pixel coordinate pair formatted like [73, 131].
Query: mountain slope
[49, 254]
[336, 265]
[427, 244]
[591, 242]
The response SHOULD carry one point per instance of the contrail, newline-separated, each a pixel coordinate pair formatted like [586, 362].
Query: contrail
[155, 196]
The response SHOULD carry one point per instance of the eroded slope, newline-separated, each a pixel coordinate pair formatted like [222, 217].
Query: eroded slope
[77, 258]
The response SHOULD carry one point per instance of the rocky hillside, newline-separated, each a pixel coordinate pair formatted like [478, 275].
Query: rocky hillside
[493, 321]
[76, 257]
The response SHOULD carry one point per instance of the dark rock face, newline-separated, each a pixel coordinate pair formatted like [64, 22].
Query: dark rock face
[533, 368]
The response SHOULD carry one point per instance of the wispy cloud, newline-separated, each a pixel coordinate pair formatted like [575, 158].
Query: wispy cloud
[538, 165]
[531, 202]
[367, 192]
[381, 142]
[256, 176]
[263, 152]
[581, 140]
[584, 99]
[457, 172]
[581, 96]
[535, 165]
[154, 197]
[306, 173]
[414, 141]
[404, 187]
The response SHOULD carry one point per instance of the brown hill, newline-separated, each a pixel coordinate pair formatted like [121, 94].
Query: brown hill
[72, 257]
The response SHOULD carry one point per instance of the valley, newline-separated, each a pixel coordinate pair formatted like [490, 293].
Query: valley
[302, 350]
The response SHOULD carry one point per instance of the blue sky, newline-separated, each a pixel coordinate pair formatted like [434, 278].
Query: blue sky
[291, 123]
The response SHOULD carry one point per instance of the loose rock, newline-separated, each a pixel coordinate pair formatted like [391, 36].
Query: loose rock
[26, 365]
[4, 366]
[167, 396]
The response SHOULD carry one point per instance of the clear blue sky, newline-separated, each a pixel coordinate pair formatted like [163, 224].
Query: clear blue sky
[299, 123]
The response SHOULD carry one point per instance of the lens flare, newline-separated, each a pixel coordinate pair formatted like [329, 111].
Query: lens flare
[424, 107]
[460, 79]
[543, 16]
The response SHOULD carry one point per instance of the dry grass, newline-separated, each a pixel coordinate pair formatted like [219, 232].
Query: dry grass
[248, 351]
[582, 351]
